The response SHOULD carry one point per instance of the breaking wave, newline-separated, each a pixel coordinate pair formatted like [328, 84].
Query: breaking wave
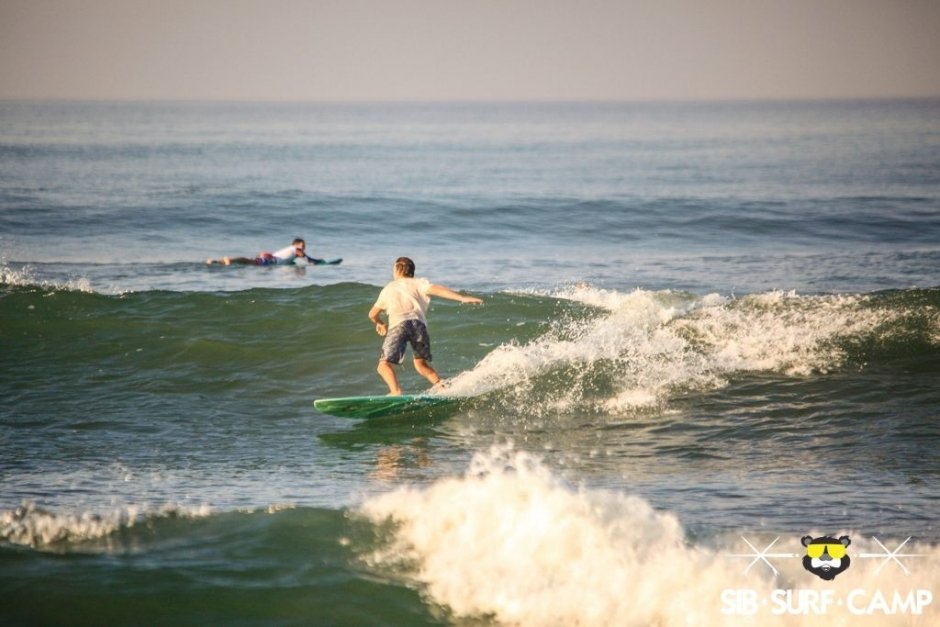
[511, 541]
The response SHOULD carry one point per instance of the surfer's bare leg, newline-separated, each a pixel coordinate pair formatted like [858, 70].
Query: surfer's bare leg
[227, 261]
[387, 372]
[427, 371]
[240, 261]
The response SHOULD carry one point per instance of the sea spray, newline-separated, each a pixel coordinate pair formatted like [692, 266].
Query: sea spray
[22, 275]
[642, 348]
[38, 528]
[512, 541]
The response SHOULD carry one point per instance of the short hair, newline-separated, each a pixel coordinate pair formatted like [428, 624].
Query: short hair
[298, 241]
[405, 266]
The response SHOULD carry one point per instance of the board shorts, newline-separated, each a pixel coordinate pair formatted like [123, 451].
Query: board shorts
[412, 332]
[266, 259]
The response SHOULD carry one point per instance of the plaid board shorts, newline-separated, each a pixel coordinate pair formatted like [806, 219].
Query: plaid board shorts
[412, 332]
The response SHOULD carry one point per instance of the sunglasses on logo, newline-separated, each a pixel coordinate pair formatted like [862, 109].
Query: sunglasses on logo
[836, 551]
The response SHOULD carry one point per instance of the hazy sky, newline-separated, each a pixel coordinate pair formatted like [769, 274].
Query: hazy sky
[468, 49]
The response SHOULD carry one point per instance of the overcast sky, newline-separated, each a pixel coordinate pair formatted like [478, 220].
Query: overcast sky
[468, 49]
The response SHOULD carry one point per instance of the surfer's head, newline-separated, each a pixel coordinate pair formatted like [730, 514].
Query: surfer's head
[404, 267]
[299, 245]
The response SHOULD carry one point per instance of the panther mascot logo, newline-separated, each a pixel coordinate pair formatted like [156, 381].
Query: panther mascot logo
[826, 557]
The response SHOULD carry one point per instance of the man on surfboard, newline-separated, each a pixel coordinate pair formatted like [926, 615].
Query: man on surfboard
[405, 301]
[297, 249]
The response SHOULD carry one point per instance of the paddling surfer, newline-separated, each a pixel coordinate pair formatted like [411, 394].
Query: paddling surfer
[405, 302]
[297, 249]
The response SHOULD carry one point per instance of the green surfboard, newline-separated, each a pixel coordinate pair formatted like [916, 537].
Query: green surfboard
[428, 405]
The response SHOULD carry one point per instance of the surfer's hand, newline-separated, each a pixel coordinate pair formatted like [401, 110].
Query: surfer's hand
[471, 300]
[380, 328]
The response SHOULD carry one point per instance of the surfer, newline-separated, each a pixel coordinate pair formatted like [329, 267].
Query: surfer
[288, 254]
[405, 302]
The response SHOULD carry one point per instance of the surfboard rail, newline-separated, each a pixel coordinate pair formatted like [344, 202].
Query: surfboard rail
[386, 406]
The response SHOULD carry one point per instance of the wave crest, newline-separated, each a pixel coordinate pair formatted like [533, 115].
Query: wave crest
[641, 348]
[511, 541]
[34, 527]
[25, 276]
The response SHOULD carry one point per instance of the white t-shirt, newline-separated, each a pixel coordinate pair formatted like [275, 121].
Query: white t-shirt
[405, 299]
[286, 254]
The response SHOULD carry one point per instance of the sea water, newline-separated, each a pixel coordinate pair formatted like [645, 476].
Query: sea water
[709, 330]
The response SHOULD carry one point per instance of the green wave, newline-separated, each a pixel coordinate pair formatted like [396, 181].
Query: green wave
[287, 346]
[282, 566]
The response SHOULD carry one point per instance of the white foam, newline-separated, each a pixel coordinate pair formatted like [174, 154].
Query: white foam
[34, 527]
[649, 345]
[510, 540]
[26, 277]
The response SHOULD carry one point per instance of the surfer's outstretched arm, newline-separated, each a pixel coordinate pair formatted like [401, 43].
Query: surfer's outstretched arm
[446, 292]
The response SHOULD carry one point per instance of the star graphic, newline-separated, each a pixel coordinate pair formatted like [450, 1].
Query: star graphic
[890, 555]
[761, 556]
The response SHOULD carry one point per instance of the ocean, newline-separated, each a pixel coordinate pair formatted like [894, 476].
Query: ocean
[710, 337]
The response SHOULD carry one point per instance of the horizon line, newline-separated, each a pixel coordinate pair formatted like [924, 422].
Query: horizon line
[467, 101]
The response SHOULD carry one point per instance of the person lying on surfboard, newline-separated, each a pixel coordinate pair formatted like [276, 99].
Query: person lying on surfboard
[296, 250]
[405, 302]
